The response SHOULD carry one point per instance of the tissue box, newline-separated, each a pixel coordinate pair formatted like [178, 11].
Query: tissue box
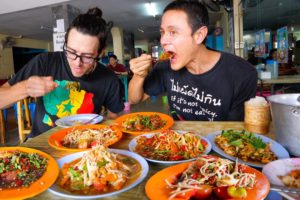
[265, 75]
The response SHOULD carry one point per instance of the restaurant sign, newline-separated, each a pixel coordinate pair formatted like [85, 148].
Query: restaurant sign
[58, 41]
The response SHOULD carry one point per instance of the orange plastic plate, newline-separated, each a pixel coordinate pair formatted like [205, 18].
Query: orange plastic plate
[55, 139]
[39, 185]
[169, 122]
[156, 187]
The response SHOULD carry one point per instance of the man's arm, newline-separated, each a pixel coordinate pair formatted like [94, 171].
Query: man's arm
[136, 91]
[140, 67]
[11, 94]
[111, 115]
[35, 86]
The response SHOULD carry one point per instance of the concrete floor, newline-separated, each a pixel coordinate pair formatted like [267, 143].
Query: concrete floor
[153, 104]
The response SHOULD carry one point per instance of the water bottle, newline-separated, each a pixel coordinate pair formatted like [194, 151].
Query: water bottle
[272, 66]
[260, 68]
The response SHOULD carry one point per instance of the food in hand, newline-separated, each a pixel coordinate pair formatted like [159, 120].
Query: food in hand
[165, 55]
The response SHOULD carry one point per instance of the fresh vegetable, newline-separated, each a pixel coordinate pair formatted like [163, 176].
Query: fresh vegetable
[237, 192]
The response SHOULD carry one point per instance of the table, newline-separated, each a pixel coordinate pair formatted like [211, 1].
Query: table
[289, 79]
[41, 143]
[124, 79]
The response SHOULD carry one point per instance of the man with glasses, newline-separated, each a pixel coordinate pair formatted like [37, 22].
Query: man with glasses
[69, 82]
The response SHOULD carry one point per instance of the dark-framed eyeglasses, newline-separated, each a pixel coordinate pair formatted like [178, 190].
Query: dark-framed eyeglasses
[73, 56]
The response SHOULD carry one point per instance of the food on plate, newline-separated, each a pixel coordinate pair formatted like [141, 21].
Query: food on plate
[245, 146]
[87, 137]
[20, 169]
[211, 176]
[169, 145]
[99, 171]
[292, 179]
[141, 122]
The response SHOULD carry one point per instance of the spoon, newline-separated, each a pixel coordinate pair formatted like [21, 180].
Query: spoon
[90, 120]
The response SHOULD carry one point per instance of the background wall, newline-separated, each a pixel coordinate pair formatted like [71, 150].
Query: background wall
[6, 53]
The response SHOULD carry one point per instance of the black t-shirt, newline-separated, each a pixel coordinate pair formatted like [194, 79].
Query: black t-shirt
[216, 95]
[74, 95]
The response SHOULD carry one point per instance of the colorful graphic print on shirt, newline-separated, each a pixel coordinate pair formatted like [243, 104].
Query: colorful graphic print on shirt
[67, 99]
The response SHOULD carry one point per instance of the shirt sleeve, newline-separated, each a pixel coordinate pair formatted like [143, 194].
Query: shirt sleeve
[244, 91]
[114, 101]
[122, 68]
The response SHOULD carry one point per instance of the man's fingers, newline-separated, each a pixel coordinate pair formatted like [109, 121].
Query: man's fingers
[48, 78]
[39, 86]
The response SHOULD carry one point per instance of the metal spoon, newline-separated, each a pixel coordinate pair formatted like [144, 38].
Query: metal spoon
[90, 120]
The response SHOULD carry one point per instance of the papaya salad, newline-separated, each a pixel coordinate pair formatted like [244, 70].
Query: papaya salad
[245, 146]
[99, 171]
[170, 145]
[211, 176]
[20, 169]
[87, 137]
[143, 123]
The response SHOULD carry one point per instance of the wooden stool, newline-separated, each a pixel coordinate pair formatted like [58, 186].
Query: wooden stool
[2, 127]
[24, 119]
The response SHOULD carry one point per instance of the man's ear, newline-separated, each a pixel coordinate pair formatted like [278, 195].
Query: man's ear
[200, 34]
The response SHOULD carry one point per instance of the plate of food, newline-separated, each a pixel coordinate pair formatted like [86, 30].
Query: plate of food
[284, 172]
[170, 146]
[25, 172]
[200, 179]
[80, 138]
[79, 119]
[144, 122]
[98, 173]
[252, 149]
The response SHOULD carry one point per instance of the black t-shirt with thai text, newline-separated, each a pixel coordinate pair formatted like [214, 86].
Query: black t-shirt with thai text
[216, 95]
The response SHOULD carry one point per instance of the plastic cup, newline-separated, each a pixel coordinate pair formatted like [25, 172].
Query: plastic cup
[153, 98]
[164, 99]
[127, 106]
